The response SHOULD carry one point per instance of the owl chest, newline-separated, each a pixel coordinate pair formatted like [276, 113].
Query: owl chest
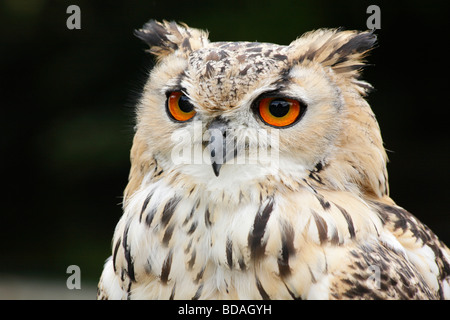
[181, 246]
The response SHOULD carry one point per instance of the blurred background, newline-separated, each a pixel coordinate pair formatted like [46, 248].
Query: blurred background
[67, 99]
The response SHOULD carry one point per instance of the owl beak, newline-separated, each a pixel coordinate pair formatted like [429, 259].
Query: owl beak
[216, 168]
[218, 144]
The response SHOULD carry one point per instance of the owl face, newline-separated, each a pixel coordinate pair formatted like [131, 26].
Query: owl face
[228, 112]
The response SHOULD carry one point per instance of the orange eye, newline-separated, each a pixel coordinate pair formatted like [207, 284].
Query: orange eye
[179, 106]
[279, 112]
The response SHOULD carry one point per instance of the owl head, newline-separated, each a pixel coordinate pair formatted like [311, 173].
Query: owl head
[222, 114]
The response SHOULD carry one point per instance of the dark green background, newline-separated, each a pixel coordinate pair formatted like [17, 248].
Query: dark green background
[67, 100]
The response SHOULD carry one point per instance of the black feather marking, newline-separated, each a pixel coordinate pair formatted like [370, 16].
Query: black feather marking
[172, 294]
[198, 293]
[186, 44]
[129, 291]
[209, 72]
[313, 278]
[292, 294]
[316, 178]
[150, 216]
[319, 167]
[191, 214]
[116, 248]
[159, 173]
[324, 203]
[229, 252]
[310, 186]
[322, 227]
[308, 55]
[351, 228]
[358, 44]
[168, 234]
[168, 210]
[287, 250]
[188, 247]
[144, 206]
[192, 259]
[242, 264]
[148, 267]
[280, 57]
[335, 237]
[207, 217]
[192, 228]
[358, 290]
[165, 270]
[127, 249]
[257, 246]
[314, 174]
[155, 35]
[261, 290]
[199, 275]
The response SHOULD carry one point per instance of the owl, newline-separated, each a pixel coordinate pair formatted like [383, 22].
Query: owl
[258, 172]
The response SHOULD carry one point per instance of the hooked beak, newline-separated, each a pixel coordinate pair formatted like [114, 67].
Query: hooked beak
[218, 145]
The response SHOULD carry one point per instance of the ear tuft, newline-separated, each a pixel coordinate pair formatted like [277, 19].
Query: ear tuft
[167, 37]
[343, 51]
[354, 48]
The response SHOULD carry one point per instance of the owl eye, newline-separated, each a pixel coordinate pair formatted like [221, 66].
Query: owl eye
[279, 112]
[179, 107]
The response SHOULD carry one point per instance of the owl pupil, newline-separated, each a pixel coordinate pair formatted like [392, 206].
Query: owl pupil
[279, 107]
[185, 105]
